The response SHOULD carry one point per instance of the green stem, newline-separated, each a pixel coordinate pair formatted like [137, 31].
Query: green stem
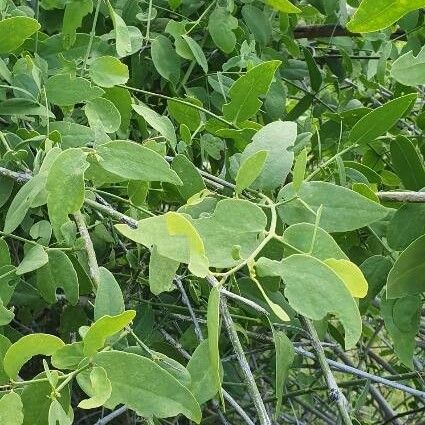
[329, 161]
[126, 201]
[183, 102]
[92, 35]
[148, 25]
[270, 235]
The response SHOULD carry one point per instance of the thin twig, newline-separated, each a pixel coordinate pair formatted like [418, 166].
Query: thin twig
[360, 373]
[226, 395]
[402, 196]
[19, 177]
[113, 213]
[237, 408]
[243, 362]
[112, 416]
[335, 393]
[185, 298]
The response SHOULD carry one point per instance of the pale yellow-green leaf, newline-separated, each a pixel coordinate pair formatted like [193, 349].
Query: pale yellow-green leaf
[375, 15]
[179, 225]
[11, 409]
[299, 170]
[284, 6]
[57, 414]
[276, 308]
[15, 30]
[351, 275]
[99, 389]
[27, 347]
[106, 326]
[250, 169]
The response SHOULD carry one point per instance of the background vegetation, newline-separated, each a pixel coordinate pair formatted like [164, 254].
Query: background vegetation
[211, 212]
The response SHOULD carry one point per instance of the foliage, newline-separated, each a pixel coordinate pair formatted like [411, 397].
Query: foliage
[199, 199]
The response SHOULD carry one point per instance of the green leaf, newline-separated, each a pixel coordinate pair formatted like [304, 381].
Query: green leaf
[11, 409]
[371, 175]
[402, 320]
[407, 277]
[65, 187]
[322, 291]
[275, 138]
[161, 124]
[197, 52]
[213, 326]
[185, 114]
[161, 272]
[65, 90]
[351, 275]
[5, 259]
[73, 135]
[375, 270]
[6, 187]
[145, 387]
[14, 31]
[4, 346]
[179, 225]
[122, 100]
[58, 273]
[309, 239]
[69, 356]
[221, 24]
[35, 258]
[103, 328]
[258, 23]
[19, 106]
[284, 6]
[299, 170]
[374, 15]
[300, 108]
[165, 59]
[58, 415]
[233, 223]
[409, 70]
[108, 71]
[27, 347]
[285, 355]
[133, 161]
[246, 89]
[410, 218]
[99, 389]
[189, 175]
[407, 163]
[275, 308]
[122, 34]
[204, 383]
[75, 11]
[313, 70]
[36, 398]
[22, 202]
[380, 120]
[343, 209]
[109, 298]
[6, 316]
[249, 170]
[102, 114]
[173, 367]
